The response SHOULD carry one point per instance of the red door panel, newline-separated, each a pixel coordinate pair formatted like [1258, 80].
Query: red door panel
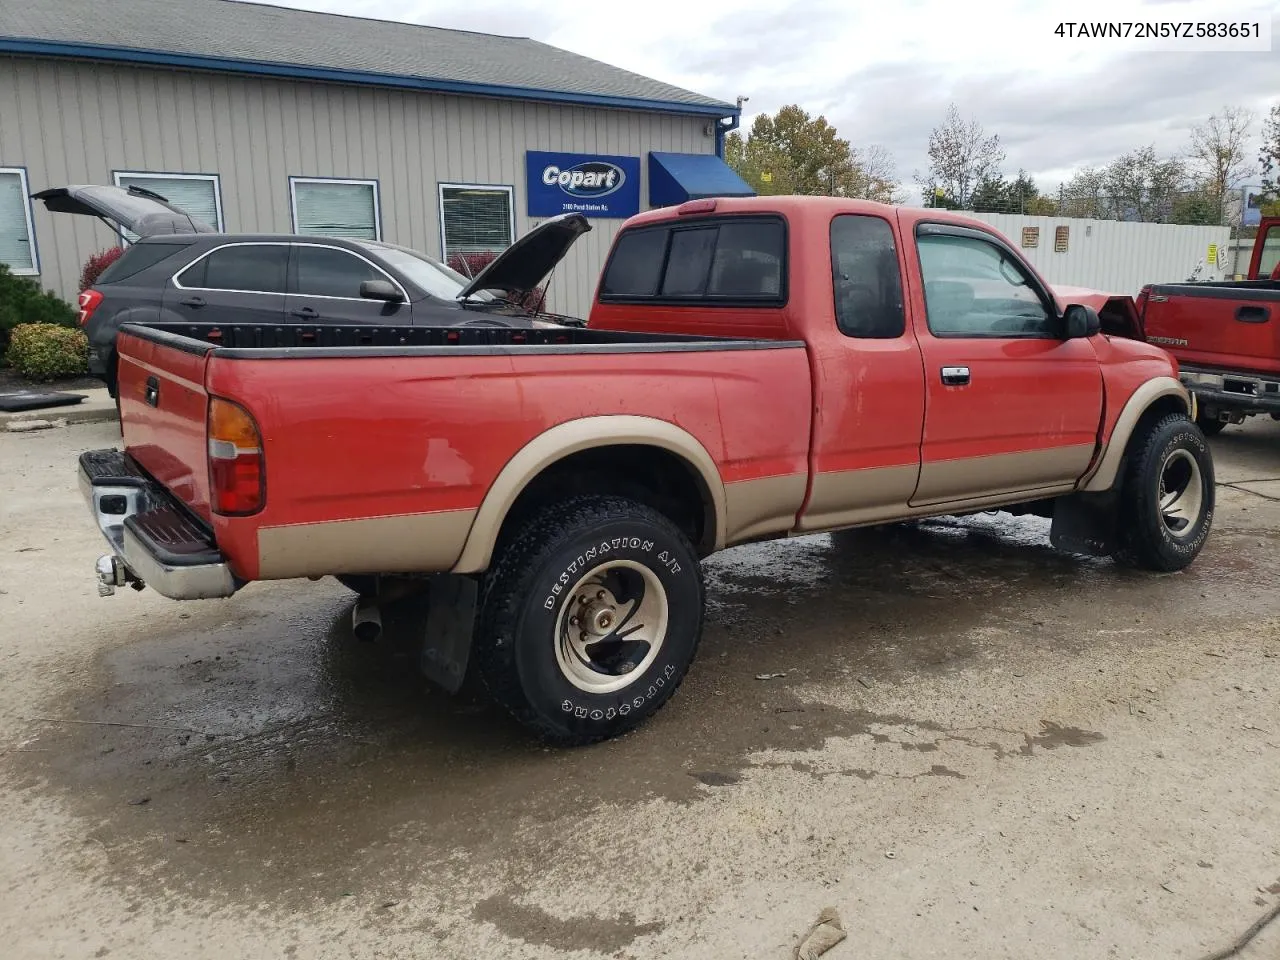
[1010, 406]
[1027, 418]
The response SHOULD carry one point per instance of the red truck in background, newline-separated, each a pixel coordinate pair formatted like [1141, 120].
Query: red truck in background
[1225, 336]
[752, 368]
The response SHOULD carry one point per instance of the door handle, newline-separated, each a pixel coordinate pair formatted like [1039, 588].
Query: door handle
[955, 376]
[306, 313]
[192, 302]
[153, 391]
[1252, 314]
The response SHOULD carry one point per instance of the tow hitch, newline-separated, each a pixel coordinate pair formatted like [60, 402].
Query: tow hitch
[112, 573]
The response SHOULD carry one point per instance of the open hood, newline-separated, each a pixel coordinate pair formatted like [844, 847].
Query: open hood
[141, 212]
[525, 264]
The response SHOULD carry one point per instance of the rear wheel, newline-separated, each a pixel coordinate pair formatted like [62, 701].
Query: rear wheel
[590, 618]
[1166, 503]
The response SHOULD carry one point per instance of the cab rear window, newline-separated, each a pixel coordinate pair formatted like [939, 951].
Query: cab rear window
[731, 261]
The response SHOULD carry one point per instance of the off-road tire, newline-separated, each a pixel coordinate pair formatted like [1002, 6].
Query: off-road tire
[534, 572]
[1145, 539]
[1210, 426]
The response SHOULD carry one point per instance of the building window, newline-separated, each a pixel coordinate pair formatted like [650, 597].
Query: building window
[197, 194]
[336, 208]
[476, 222]
[17, 237]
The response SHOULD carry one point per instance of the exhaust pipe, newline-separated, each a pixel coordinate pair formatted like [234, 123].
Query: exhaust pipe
[366, 620]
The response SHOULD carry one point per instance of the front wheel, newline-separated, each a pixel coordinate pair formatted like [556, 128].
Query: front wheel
[591, 615]
[1166, 503]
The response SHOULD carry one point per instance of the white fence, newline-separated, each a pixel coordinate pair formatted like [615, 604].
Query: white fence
[1116, 256]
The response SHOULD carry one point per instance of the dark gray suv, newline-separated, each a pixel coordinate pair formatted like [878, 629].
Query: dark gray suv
[181, 270]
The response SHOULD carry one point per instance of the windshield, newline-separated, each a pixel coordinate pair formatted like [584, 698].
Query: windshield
[431, 275]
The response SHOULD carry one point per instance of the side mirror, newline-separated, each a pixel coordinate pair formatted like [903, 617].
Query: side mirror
[381, 290]
[1080, 321]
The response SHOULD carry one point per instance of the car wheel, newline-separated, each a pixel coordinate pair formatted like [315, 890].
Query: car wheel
[590, 617]
[1167, 500]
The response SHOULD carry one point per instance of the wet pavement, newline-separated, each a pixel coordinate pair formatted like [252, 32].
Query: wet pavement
[969, 744]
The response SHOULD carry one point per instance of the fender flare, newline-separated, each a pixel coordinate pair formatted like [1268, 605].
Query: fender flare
[572, 437]
[1104, 474]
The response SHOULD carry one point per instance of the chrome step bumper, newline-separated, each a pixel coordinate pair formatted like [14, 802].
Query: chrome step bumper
[153, 541]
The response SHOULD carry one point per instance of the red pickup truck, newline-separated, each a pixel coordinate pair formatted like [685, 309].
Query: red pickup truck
[752, 368]
[1225, 336]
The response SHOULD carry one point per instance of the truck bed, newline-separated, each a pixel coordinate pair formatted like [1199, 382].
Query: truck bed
[1228, 326]
[380, 444]
[367, 340]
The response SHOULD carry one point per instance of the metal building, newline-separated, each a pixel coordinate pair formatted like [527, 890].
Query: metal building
[267, 119]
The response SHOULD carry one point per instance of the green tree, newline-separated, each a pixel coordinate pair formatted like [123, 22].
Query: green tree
[1269, 155]
[1020, 195]
[1199, 206]
[1084, 195]
[792, 152]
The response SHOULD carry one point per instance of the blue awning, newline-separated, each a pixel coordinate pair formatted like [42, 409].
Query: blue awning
[677, 177]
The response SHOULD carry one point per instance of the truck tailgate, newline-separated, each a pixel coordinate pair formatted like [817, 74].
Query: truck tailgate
[1232, 326]
[164, 406]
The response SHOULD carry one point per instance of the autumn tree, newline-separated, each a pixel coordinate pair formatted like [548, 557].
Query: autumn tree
[792, 152]
[1217, 154]
[961, 157]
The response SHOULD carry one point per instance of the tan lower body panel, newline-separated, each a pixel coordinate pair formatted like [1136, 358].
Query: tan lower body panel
[998, 474]
[756, 508]
[848, 498]
[409, 543]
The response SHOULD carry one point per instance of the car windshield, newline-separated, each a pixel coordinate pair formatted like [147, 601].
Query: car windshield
[430, 275]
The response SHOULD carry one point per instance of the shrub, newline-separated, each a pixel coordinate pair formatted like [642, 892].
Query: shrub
[22, 301]
[94, 266]
[46, 351]
[469, 264]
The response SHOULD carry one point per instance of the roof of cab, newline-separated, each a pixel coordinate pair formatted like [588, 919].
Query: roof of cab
[802, 207]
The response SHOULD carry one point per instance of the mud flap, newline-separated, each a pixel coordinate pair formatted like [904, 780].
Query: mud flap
[1085, 523]
[451, 616]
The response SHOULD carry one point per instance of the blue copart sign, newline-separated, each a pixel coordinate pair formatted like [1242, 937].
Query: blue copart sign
[591, 184]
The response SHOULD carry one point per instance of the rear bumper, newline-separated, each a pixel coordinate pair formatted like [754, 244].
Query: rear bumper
[1243, 392]
[153, 541]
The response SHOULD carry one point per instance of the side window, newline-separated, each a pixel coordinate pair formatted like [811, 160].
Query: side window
[254, 268]
[973, 289]
[866, 278]
[328, 272]
[748, 261]
[636, 265]
[689, 262]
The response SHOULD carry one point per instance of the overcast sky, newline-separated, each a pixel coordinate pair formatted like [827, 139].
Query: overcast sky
[884, 72]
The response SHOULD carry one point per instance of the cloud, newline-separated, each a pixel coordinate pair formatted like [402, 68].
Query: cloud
[885, 75]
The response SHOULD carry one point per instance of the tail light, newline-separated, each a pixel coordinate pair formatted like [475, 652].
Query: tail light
[237, 473]
[89, 301]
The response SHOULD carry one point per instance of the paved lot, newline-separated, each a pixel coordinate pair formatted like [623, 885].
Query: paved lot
[980, 748]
